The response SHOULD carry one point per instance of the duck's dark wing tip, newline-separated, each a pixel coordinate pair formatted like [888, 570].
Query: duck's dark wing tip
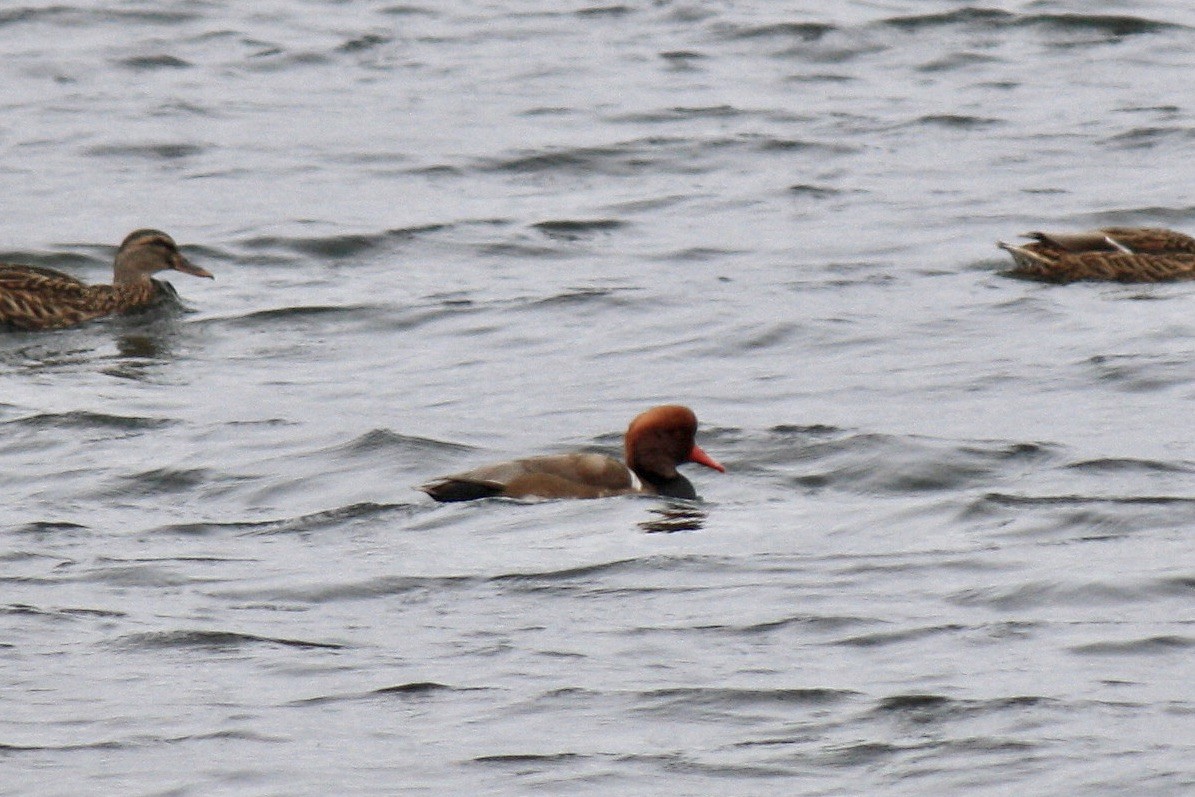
[448, 489]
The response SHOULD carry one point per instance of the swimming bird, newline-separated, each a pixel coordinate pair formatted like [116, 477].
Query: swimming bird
[656, 442]
[34, 298]
[1118, 254]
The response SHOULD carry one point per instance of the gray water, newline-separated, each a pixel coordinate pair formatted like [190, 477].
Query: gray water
[953, 550]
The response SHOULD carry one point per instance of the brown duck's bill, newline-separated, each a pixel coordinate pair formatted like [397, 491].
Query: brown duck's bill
[702, 458]
[187, 267]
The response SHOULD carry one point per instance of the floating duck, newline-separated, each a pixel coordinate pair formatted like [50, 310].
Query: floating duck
[1118, 254]
[33, 298]
[656, 442]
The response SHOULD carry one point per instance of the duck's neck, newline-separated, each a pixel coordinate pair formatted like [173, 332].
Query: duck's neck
[134, 265]
[127, 277]
[675, 486]
[123, 296]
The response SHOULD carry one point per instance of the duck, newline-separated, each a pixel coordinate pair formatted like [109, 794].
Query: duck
[1117, 254]
[36, 298]
[656, 442]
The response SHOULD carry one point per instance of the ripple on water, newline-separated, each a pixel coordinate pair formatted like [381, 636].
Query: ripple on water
[577, 229]
[367, 589]
[1109, 25]
[302, 524]
[1146, 646]
[1051, 593]
[83, 419]
[412, 691]
[342, 246]
[827, 458]
[218, 640]
[668, 154]
[167, 151]
[1081, 517]
[765, 212]
[688, 699]
[151, 63]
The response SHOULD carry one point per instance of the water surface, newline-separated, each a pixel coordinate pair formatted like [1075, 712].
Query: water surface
[952, 551]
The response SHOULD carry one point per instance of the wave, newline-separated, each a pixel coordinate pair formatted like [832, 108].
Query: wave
[330, 314]
[987, 19]
[381, 586]
[1150, 137]
[341, 246]
[83, 419]
[412, 690]
[522, 759]
[1090, 500]
[881, 639]
[167, 480]
[801, 31]
[367, 41]
[820, 42]
[656, 154]
[159, 151]
[826, 458]
[1076, 517]
[82, 16]
[563, 580]
[596, 298]
[927, 706]
[151, 63]
[49, 527]
[387, 441]
[702, 697]
[65, 614]
[142, 741]
[574, 229]
[958, 121]
[1146, 646]
[314, 521]
[1044, 593]
[1115, 465]
[223, 640]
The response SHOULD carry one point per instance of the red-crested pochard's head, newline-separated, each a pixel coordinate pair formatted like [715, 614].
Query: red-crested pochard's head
[660, 439]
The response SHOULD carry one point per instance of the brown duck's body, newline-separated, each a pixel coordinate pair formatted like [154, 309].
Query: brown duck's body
[1116, 254]
[565, 475]
[656, 442]
[35, 298]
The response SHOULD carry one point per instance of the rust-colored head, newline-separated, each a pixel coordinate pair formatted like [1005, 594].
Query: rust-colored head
[146, 252]
[660, 439]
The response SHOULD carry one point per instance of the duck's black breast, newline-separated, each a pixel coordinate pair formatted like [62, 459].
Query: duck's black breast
[676, 487]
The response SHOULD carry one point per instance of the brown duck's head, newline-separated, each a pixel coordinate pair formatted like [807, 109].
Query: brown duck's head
[146, 252]
[662, 438]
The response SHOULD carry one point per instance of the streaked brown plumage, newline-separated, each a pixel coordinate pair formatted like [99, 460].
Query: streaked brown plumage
[655, 443]
[1117, 254]
[35, 298]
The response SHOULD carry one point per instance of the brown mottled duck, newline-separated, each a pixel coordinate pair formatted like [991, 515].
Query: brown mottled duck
[1116, 254]
[33, 298]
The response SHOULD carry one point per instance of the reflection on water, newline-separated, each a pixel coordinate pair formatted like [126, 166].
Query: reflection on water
[141, 340]
[145, 340]
[674, 517]
[143, 346]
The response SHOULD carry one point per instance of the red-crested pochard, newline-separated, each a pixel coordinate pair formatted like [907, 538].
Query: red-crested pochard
[655, 443]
